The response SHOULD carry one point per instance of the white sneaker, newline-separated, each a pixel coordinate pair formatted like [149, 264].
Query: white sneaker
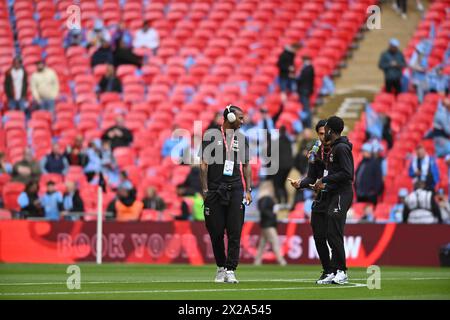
[420, 7]
[326, 278]
[282, 262]
[220, 275]
[341, 277]
[230, 277]
[395, 7]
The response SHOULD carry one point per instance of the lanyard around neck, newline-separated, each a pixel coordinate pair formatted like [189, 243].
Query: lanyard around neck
[225, 139]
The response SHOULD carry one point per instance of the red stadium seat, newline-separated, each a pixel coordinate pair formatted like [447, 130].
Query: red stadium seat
[11, 192]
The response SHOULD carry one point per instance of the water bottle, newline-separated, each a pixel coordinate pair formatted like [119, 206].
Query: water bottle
[314, 150]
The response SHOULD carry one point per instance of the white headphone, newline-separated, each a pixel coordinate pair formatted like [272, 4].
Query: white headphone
[231, 117]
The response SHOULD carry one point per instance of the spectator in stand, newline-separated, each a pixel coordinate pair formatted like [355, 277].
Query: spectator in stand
[72, 201]
[421, 206]
[368, 215]
[93, 161]
[286, 162]
[109, 165]
[147, 37]
[268, 223]
[392, 62]
[368, 177]
[387, 131]
[305, 88]
[441, 128]
[301, 158]
[98, 34]
[55, 161]
[52, 202]
[125, 182]
[175, 146]
[396, 213]
[75, 38]
[378, 154]
[419, 64]
[437, 81]
[216, 122]
[75, 153]
[447, 160]
[267, 121]
[286, 69]
[103, 55]
[109, 82]
[29, 202]
[423, 168]
[401, 6]
[444, 206]
[153, 201]
[15, 86]
[192, 184]
[121, 34]
[118, 135]
[27, 169]
[125, 207]
[44, 87]
[5, 167]
[124, 55]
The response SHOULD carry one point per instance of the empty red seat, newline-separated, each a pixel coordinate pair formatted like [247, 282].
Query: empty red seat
[11, 192]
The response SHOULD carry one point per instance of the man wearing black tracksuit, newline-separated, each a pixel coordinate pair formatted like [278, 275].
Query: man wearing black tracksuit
[319, 217]
[337, 181]
[223, 151]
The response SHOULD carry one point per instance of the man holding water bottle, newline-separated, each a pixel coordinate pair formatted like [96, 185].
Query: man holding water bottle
[319, 218]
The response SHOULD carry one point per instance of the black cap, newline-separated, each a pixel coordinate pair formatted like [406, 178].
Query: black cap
[336, 124]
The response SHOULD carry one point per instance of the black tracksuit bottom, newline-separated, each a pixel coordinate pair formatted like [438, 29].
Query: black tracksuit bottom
[225, 217]
[328, 223]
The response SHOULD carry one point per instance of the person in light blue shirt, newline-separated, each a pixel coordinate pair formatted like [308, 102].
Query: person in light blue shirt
[94, 161]
[441, 128]
[174, 146]
[437, 81]
[396, 214]
[52, 202]
[419, 64]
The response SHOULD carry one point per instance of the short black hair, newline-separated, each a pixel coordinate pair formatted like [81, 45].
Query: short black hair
[320, 124]
[336, 124]
[232, 109]
[51, 183]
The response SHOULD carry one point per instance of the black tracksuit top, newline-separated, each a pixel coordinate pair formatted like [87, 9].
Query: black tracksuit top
[339, 165]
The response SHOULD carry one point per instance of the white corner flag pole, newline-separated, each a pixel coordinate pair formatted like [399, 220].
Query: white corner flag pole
[99, 224]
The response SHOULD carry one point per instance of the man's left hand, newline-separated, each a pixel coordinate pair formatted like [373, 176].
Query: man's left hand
[318, 186]
[248, 198]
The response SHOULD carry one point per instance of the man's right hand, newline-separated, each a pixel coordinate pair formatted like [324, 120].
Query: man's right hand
[295, 183]
[204, 194]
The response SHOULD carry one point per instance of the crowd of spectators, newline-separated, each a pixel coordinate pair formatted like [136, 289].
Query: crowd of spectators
[401, 75]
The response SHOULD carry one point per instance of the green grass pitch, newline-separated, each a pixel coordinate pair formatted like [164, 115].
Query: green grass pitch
[184, 282]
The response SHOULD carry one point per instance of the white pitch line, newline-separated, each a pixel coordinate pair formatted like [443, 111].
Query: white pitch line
[351, 285]
[202, 281]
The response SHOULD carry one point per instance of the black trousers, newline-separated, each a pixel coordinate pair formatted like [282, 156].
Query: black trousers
[402, 5]
[279, 183]
[319, 225]
[338, 205]
[220, 218]
[393, 86]
[372, 199]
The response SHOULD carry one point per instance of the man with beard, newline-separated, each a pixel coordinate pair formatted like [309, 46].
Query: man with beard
[319, 217]
[223, 152]
[337, 181]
